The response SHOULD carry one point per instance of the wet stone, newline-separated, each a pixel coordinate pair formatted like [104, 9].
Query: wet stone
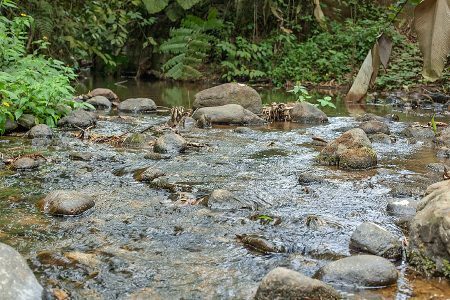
[381, 138]
[40, 131]
[156, 156]
[403, 209]
[359, 271]
[371, 238]
[78, 119]
[224, 200]
[137, 105]
[27, 121]
[107, 93]
[10, 126]
[26, 163]
[170, 143]
[259, 244]
[307, 113]
[17, 280]
[150, 174]
[242, 130]
[369, 117]
[228, 114]
[82, 156]
[282, 283]
[308, 178]
[66, 203]
[100, 103]
[419, 133]
[372, 127]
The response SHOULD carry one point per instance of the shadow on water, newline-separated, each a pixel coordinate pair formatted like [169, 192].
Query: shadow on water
[139, 236]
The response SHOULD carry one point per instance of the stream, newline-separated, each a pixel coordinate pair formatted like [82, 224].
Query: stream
[141, 239]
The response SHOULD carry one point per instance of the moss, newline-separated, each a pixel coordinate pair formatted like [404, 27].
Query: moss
[422, 263]
[446, 268]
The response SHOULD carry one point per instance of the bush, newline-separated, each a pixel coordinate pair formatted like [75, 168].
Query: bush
[30, 83]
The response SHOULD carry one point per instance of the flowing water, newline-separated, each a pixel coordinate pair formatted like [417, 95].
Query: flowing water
[139, 238]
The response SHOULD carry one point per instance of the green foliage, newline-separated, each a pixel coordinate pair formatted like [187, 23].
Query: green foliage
[303, 95]
[31, 84]
[155, 6]
[189, 45]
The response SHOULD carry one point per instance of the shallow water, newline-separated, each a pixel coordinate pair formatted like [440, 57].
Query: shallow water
[139, 237]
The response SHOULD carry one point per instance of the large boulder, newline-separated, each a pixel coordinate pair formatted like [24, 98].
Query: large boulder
[307, 113]
[40, 131]
[374, 239]
[352, 150]
[78, 119]
[100, 103]
[360, 271]
[282, 283]
[372, 127]
[229, 93]
[17, 280]
[66, 203]
[228, 114]
[137, 105]
[104, 93]
[170, 143]
[429, 248]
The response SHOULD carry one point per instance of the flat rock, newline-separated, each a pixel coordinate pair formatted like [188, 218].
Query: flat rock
[17, 280]
[150, 174]
[307, 113]
[107, 93]
[40, 131]
[78, 119]
[100, 103]
[66, 203]
[170, 143]
[352, 150]
[374, 239]
[374, 126]
[228, 114]
[282, 283]
[137, 105]
[229, 93]
[359, 271]
[26, 163]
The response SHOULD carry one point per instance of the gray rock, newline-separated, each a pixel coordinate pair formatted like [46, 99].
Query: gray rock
[369, 117]
[78, 119]
[282, 283]
[26, 163]
[150, 174]
[308, 114]
[110, 95]
[156, 156]
[187, 125]
[309, 178]
[27, 121]
[419, 133]
[402, 208]
[137, 105]
[66, 203]
[229, 93]
[224, 200]
[242, 130]
[437, 168]
[10, 126]
[144, 294]
[372, 127]
[371, 238]
[17, 280]
[352, 150]
[228, 114]
[82, 156]
[429, 238]
[170, 143]
[360, 271]
[380, 138]
[100, 103]
[40, 131]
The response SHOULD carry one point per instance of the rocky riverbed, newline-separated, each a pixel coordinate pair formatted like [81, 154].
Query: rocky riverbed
[210, 212]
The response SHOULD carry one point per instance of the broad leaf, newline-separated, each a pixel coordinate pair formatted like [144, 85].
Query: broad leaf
[155, 6]
[187, 4]
[432, 23]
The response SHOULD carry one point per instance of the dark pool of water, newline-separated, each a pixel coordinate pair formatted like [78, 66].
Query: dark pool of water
[138, 236]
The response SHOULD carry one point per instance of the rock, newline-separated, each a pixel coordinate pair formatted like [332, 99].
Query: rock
[429, 238]
[308, 178]
[360, 271]
[224, 200]
[307, 113]
[17, 280]
[444, 137]
[100, 103]
[352, 150]
[27, 121]
[242, 130]
[259, 244]
[369, 117]
[10, 126]
[437, 168]
[228, 114]
[78, 119]
[439, 97]
[82, 156]
[187, 125]
[66, 203]
[229, 93]
[371, 238]
[150, 174]
[372, 127]
[144, 294]
[380, 138]
[419, 133]
[282, 283]
[156, 156]
[107, 93]
[137, 105]
[40, 131]
[170, 143]
[136, 140]
[402, 208]
[26, 163]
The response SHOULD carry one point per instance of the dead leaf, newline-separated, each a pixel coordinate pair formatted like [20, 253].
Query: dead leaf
[432, 24]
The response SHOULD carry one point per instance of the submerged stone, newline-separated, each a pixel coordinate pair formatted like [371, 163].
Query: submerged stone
[282, 283]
